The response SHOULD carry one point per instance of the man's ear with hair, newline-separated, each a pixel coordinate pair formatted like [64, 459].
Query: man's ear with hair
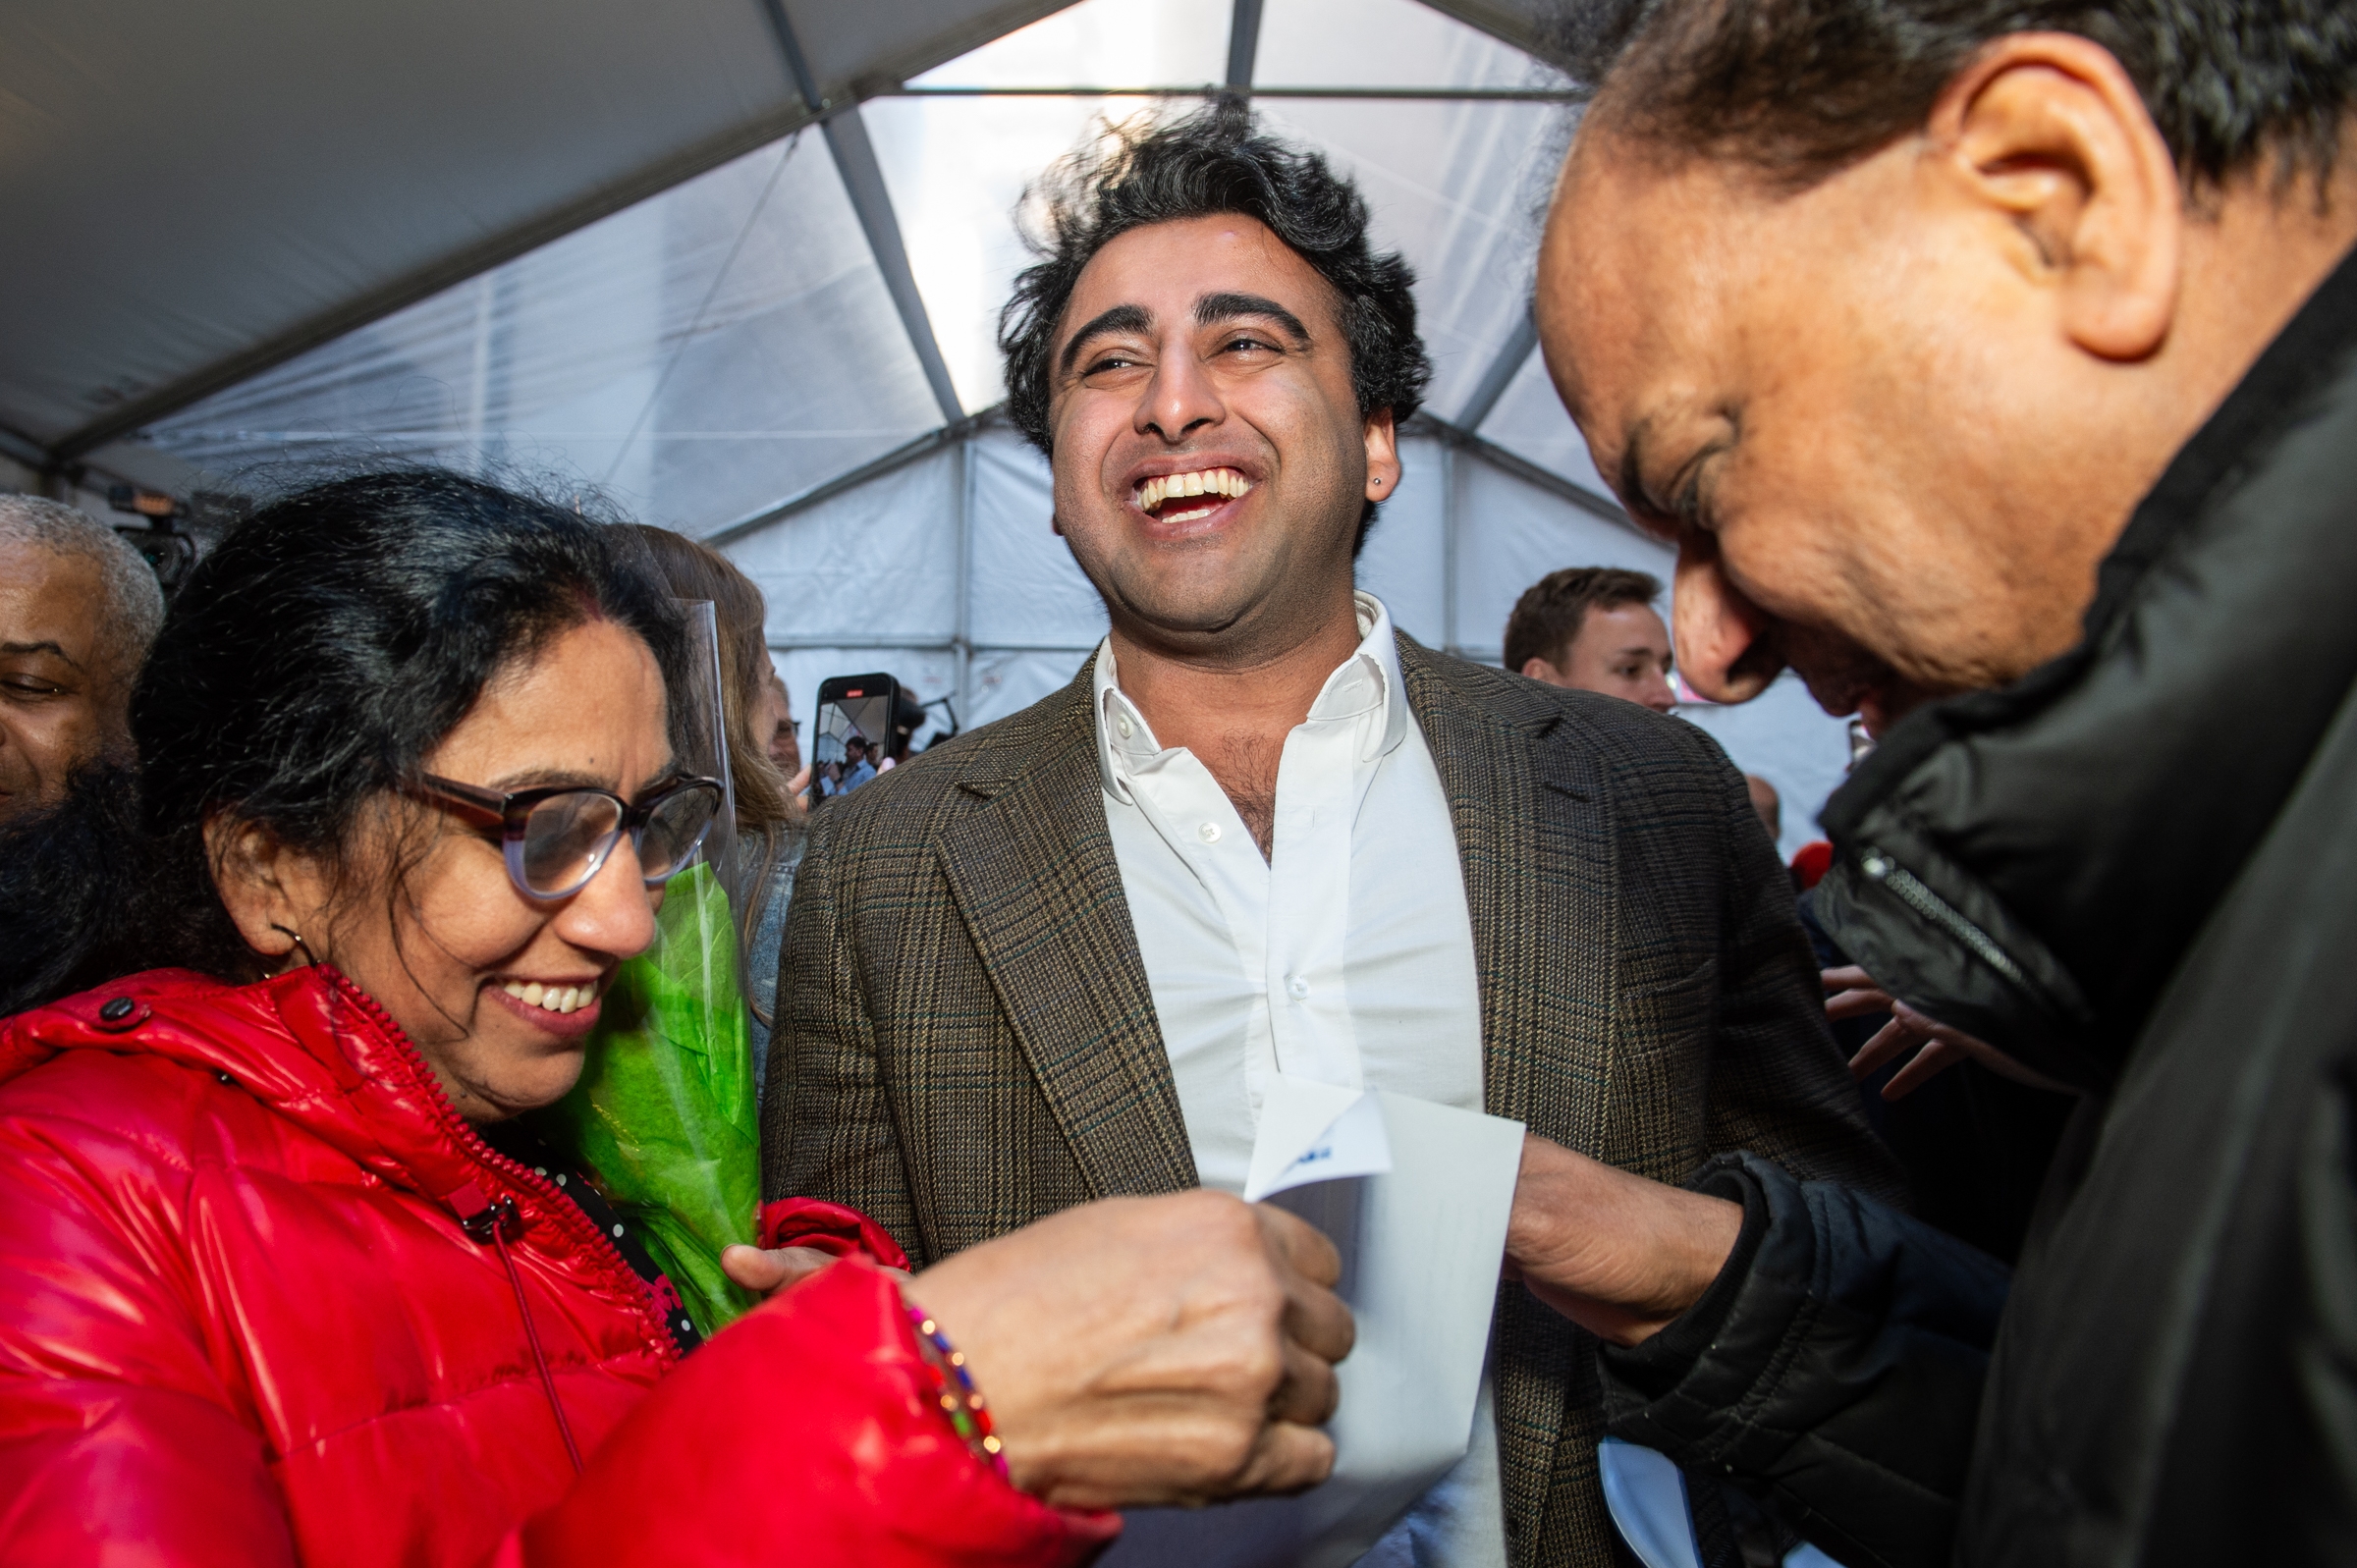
[1383, 455]
[2046, 133]
[272, 891]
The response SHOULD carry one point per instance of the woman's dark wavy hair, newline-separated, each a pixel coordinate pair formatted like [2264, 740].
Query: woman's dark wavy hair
[1215, 160]
[313, 658]
[1799, 89]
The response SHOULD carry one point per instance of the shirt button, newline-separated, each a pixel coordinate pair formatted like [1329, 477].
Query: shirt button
[1210, 832]
[1126, 728]
[1298, 987]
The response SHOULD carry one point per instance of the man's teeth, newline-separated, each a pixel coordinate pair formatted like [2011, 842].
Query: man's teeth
[555, 999]
[1207, 482]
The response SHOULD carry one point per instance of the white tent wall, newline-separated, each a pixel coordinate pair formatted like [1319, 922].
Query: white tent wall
[736, 266]
[947, 573]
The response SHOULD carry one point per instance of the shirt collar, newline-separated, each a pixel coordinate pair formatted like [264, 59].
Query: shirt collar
[1368, 681]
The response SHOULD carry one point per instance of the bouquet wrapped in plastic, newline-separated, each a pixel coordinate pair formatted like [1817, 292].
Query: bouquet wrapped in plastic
[663, 1115]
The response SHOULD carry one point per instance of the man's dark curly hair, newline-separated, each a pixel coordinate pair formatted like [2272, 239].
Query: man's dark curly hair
[1799, 90]
[1215, 160]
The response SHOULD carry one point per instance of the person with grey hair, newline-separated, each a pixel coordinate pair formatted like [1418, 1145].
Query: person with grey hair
[78, 609]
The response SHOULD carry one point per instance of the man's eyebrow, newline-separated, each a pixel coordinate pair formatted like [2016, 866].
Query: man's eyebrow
[1120, 318]
[1214, 308]
[39, 647]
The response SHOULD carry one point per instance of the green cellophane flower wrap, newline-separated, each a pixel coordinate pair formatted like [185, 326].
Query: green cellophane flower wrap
[664, 1113]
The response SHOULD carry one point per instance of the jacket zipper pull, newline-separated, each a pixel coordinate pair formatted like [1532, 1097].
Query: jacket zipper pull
[482, 1217]
[494, 1221]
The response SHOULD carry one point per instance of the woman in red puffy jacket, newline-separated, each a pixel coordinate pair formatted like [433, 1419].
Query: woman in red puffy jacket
[280, 1282]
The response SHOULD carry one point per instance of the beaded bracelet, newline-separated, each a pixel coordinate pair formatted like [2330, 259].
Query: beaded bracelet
[954, 1388]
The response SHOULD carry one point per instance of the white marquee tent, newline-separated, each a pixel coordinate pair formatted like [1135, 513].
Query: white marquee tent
[737, 265]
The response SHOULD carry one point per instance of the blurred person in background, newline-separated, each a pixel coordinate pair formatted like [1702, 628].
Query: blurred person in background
[270, 1290]
[771, 823]
[856, 769]
[1594, 628]
[2010, 349]
[78, 609]
[774, 720]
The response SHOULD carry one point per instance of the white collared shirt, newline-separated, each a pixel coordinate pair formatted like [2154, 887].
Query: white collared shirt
[1346, 956]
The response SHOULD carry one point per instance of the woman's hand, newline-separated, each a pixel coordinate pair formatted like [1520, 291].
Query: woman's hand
[1147, 1351]
[1851, 993]
[767, 1271]
[1616, 1254]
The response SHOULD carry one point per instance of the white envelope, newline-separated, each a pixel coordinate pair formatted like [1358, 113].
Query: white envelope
[1420, 1218]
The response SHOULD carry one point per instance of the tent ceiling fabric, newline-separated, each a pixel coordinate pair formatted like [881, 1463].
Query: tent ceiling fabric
[197, 191]
[604, 244]
[747, 336]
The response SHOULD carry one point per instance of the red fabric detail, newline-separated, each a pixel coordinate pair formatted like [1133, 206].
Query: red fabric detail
[831, 1228]
[1810, 862]
[237, 1325]
[815, 1405]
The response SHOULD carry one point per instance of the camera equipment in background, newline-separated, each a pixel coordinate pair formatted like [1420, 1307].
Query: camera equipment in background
[856, 726]
[176, 530]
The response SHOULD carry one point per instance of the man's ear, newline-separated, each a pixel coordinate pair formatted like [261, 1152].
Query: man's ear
[1383, 455]
[1537, 669]
[273, 894]
[2046, 129]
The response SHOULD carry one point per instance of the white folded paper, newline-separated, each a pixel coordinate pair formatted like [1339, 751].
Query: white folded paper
[1417, 1197]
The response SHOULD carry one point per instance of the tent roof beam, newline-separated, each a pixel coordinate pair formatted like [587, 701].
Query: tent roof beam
[863, 182]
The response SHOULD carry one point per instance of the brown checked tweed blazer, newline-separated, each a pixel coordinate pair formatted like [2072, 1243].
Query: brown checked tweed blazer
[966, 1042]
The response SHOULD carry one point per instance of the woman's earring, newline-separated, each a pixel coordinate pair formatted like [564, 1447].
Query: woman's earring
[308, 957]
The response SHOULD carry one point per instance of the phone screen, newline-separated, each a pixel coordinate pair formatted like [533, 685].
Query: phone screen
[852, 732]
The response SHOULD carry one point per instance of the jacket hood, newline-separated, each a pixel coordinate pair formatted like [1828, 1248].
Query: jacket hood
[309, 1043]
[2029, 864]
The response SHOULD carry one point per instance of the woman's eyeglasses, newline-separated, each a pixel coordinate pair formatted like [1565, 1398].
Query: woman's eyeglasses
[556, 838]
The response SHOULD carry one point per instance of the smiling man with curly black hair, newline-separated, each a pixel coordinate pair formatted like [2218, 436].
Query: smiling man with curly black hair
[1263, 833]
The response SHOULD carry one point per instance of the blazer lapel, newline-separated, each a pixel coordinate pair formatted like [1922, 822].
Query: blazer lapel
[1035, 879]
[1534, 836]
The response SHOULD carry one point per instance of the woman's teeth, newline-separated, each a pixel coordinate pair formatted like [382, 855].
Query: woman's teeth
[1221, 482]
[555, 999]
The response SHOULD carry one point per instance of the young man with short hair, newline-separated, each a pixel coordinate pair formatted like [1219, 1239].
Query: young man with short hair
[1595, 629]
[1064, 956]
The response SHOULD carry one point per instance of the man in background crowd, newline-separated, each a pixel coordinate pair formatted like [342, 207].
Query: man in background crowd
[856, 769]
[78, 606]
[1068, 953]
[1593, 628]
[2012, 346]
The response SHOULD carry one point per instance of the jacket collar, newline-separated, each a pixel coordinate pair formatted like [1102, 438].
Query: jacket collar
[2030, 863]
[308, 1043]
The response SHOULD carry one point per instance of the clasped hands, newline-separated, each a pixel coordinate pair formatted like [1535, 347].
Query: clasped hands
[1176, 1350]
[1141, 1351]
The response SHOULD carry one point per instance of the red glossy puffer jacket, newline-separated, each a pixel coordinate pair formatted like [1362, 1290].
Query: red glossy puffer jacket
[241, 1322]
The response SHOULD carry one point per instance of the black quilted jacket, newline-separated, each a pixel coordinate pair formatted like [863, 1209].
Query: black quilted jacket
[2136, 870]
